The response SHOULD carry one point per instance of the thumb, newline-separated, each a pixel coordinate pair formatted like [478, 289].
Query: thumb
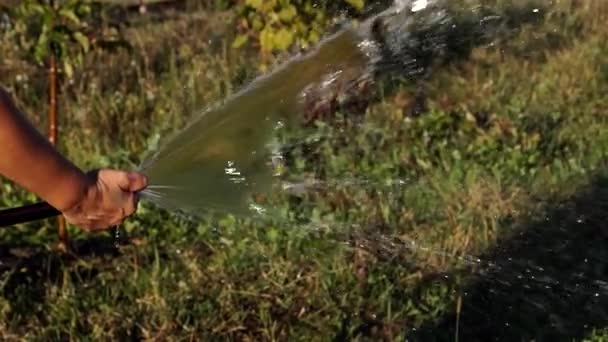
[137, 181]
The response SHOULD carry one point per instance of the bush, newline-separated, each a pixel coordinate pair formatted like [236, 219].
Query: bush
[277, 25]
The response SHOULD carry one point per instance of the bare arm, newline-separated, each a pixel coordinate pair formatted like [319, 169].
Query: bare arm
[28, 159]
[90, 200]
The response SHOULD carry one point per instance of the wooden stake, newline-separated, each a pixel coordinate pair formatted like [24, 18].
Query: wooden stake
[53, 100]
[62, 231]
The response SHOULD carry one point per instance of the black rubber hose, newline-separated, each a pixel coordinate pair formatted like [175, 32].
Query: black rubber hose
[28, 213]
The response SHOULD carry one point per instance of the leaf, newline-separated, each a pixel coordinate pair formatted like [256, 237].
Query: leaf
[82, 40]
[41, 49]
[256, 4]
[272, 234]
[283, 39]
[240, 40]
[288, 13]
[79, 59]
[83, 10]
[36, 8]
[69, 14]
[68, 69]
[48, 20]
[257, 24]
[267, 39]
[357, 4]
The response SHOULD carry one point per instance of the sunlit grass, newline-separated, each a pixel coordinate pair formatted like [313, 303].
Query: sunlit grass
[505, 137]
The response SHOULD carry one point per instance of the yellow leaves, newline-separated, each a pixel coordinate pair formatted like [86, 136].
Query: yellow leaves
[68, 69]
[279, 24]
[266, 39]
[239, 41]
[283, 39]
[273, 39]
[288, 13]
[357, 4]
[261, 5]
[256, 4]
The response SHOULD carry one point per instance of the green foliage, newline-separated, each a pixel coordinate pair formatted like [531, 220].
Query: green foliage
[597, 335]
[56, 28]
[67, 30]
[277, 25]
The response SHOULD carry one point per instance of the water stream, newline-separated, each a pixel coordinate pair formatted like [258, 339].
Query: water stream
[225, 156]
[228, 155]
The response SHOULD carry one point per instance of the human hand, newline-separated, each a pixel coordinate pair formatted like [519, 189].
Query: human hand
[110, 197]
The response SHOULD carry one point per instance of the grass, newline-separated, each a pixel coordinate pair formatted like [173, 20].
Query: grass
[483, 216]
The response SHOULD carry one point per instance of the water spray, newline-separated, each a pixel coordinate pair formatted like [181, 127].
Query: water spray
[223, 159]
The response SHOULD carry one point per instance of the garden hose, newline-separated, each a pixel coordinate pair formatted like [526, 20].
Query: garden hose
[27, 213]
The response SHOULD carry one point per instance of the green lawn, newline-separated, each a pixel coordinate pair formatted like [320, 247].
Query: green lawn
[480, 219]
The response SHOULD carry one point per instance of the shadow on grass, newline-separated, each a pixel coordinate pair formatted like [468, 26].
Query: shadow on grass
[27, 271]
[547, 283]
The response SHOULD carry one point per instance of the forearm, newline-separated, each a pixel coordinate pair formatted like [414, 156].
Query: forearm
[28, 159]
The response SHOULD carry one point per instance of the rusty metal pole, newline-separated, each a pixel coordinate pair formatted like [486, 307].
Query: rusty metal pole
[52, 127]
[52, 100]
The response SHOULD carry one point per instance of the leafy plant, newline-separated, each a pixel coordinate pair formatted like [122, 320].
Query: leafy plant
[55, 30]
[277, 25]
[56, 35]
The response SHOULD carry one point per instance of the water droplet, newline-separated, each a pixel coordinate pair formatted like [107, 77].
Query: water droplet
[116, 237]
[419, 5]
